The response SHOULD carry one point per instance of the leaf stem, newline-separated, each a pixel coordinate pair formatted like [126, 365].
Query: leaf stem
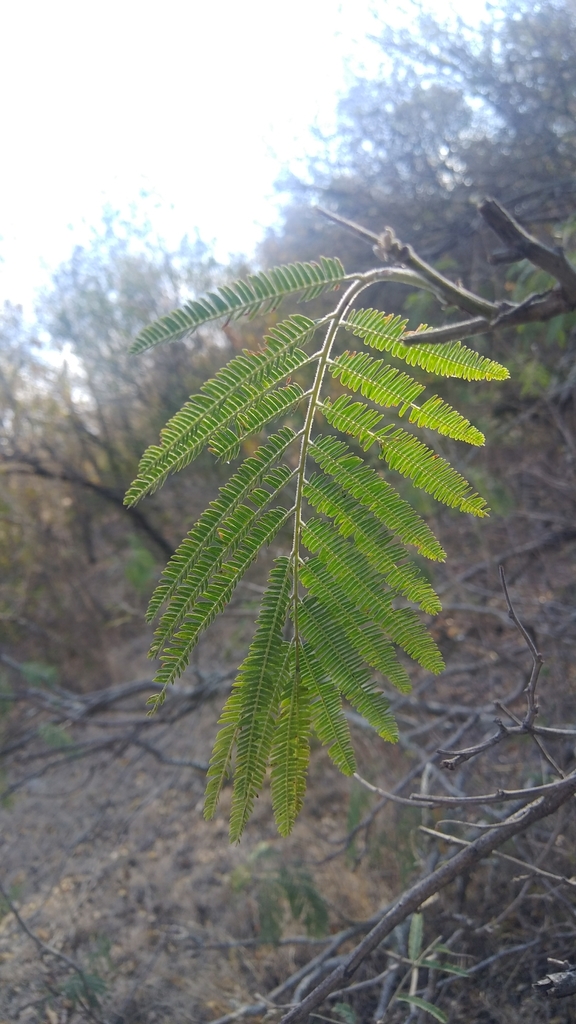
[360, 282]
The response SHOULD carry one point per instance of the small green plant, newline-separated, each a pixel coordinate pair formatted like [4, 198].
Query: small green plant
[341, 594]
[278, 888]
[14, 894]
[36, 673]
[426, 959]
[140, 567]
[54, 735]
[88, 986]
[345, 1012]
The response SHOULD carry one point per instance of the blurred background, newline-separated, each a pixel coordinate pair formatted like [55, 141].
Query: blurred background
[150, 153]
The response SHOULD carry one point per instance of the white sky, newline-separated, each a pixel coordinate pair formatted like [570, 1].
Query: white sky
[201, 103]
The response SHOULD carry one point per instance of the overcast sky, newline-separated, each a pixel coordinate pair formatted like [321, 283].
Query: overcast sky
[202, 104]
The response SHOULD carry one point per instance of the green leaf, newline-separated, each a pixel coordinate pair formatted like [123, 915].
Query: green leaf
[406, 454]
[422, 1004]
[327, 716]
[231, 532]
[258, 687]
[380, 550]
[415, 936]
[345, 668]
[449, 968]
[385, 385]
[216, 596]
[375, 493]
[366, 637]
[388, 386]
[260, 293]
[221, 403]
[290, 752]
[345, 1011]
[352, 621]
[363, 586]
[254, 472]
[225, 444]
[453, 359]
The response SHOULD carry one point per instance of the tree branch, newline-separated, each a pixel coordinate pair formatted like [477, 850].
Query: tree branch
[413, 897]
[521, 245]
[537, 308]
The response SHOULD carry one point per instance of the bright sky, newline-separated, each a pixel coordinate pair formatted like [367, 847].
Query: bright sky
[201, 103]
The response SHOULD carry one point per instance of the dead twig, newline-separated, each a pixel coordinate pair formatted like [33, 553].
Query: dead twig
[532, 868]
[413, 897]
[46, 950]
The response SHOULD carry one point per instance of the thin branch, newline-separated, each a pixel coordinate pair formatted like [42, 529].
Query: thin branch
[454, 758]
[537, 658]
[536, 308]
[179, 762]
[532, 868]
[387, 247]
[45, 949]
[434, 800]
[413, 897]
[521, 245]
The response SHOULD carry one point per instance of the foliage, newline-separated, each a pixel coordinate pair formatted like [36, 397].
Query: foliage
[38, 674]
[278, 887]
[75, 412]
[426, 959]
[54, 736]
[340, 596]
[140, 566]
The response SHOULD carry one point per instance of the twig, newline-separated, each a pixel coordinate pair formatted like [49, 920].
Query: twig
[369, 818]
[454, 758]
[537, 662]
[413, 897]
[476, 968]
[45, 949]
[387, 247]
[179, 762]
[522, 245]
[434, 800]
[537, 658]
[503, 856]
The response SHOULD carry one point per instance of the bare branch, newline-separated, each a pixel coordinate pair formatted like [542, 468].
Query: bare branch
[44, 949]
[387, 247]
[537, 658]
[537, 308]
[532, 868]
[413, 897]
[435, 800]
[457, 757]
[522, 245]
